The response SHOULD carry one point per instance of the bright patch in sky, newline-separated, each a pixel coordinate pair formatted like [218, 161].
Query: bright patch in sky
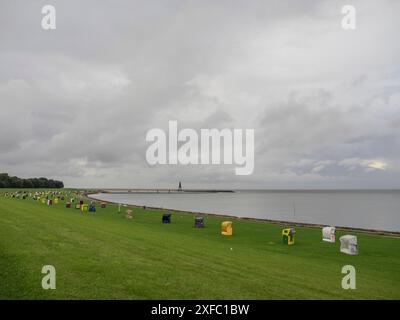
[376, 164]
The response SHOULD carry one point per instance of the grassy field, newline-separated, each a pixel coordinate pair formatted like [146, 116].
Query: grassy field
[106, 256]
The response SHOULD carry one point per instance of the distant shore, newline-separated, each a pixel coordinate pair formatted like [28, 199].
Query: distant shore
[151, 191]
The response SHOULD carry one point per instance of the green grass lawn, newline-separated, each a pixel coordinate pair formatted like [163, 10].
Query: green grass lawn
[106, 256]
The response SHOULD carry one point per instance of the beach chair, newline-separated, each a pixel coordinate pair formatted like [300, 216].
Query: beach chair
[328, 234]
[226, 228]
[348, 244]
[129, 214]
[166, 218]
[199, 222]
[288, 236]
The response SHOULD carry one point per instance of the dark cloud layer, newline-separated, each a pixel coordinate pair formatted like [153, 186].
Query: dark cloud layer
[76, 103]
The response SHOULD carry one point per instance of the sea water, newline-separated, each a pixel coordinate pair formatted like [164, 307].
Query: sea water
[368, 209]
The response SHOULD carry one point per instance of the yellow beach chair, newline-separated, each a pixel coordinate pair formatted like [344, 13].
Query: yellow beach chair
[226, 228]
[288, 236]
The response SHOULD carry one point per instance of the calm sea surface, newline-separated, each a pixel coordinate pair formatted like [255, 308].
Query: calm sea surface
[362, 209]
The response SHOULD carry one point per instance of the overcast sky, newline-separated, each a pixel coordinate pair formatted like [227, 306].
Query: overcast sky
[76, 102]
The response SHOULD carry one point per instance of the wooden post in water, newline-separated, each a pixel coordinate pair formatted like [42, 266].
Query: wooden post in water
[294, 209]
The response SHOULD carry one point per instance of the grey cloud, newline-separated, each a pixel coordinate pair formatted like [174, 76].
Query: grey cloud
[76, 103]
